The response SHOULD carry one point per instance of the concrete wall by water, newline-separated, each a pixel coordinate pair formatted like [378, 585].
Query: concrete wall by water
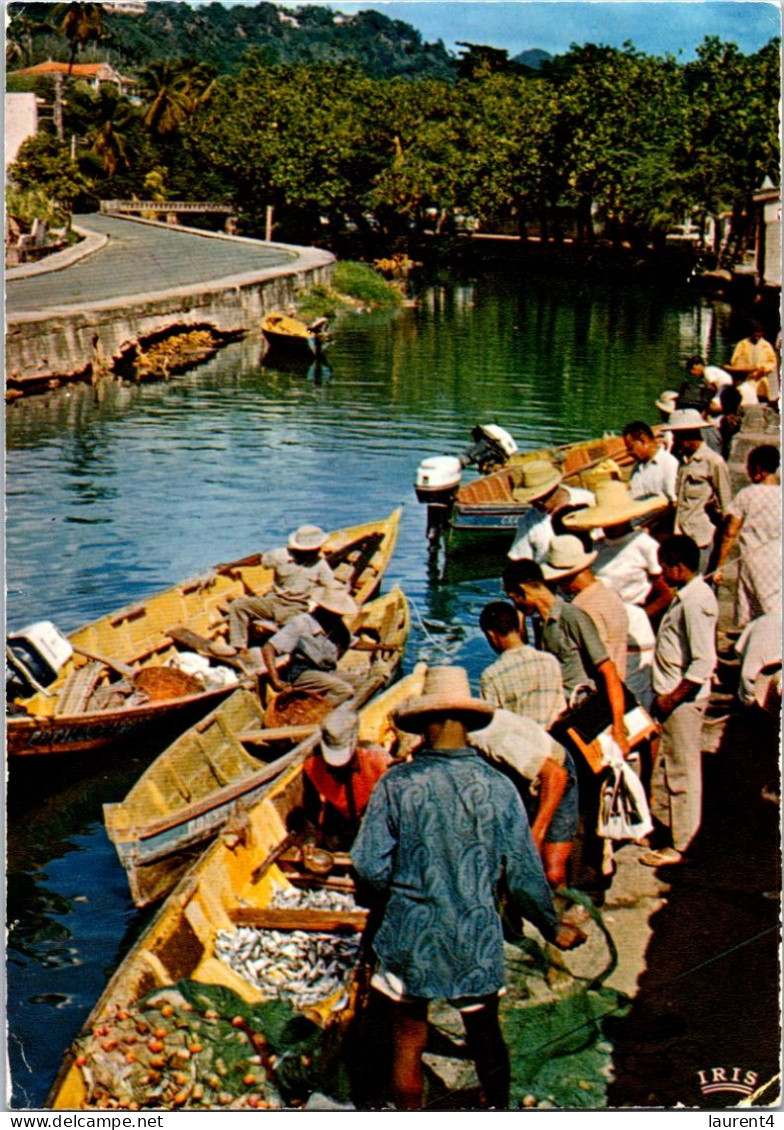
[59, 342]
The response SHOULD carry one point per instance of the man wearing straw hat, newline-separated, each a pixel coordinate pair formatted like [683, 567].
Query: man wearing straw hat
[313, 643]
[297, 570]
[340, 775]
[628, 563]
[541, 486]
[704, 490]
[438, 833]
[588, 637]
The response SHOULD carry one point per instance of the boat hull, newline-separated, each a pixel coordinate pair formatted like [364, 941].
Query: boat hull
[229, 882]
[179, 803]
[137, 635]
[486, 507]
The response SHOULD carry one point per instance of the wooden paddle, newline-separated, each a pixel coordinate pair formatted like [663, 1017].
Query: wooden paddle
[117, 665]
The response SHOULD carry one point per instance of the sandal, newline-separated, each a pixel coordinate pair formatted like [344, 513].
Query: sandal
[663, 857]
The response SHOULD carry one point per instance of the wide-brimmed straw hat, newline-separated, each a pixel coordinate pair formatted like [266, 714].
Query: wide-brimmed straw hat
[686, 419]
[446, 691]
[307, 538]
[339, 733]
[614, 506]
[566, 555]
[668, 401]
[335, 599]
[538, 479]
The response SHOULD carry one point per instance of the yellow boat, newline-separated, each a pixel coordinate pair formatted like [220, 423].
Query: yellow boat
[76, 711]
[291, 335]
[229, 758]
[234, 882]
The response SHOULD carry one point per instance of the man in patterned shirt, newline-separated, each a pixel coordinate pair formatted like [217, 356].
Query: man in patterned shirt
[438, 833]
[526, 681]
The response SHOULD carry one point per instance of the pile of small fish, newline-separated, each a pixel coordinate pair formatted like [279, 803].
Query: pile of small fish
[303, 966]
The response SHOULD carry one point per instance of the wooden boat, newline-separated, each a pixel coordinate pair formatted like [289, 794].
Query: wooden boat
[294, 337]
[68, 716]
[228, 759]
[233, 882]
[487, 507]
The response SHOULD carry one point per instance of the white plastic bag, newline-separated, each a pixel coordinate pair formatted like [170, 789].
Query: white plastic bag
[623, 806]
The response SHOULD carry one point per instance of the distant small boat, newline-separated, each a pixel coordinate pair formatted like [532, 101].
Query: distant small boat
[293, 336]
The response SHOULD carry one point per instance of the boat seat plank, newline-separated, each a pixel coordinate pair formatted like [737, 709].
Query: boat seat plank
[270, 918]
[77, 689]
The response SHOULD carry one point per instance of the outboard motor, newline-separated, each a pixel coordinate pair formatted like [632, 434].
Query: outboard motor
[437, 480]
[33, 658]
[491, 448]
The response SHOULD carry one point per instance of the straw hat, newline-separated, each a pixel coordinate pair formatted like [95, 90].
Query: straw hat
[339, 733]
[686, 419]
[538, 479]
[307, 538]
[334, 598]
[565, 556]
[668, 401]
[767, 688]
[614, 506]
[446, 691]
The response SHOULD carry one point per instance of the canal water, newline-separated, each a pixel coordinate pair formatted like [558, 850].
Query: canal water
[116, 492]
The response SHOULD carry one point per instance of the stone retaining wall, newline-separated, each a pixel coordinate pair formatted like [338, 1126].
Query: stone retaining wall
[60, 343]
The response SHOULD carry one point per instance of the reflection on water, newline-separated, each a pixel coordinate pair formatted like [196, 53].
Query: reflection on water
[118, 491]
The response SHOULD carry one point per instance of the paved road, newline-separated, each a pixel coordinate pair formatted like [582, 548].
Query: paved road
[139, 259]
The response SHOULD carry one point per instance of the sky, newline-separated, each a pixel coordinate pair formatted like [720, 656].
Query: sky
[657, 28]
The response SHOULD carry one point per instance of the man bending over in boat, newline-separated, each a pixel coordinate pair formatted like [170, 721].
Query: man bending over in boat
[339, 778]
[550, 498]
[314, 642]
[438, 833]
[298, 568]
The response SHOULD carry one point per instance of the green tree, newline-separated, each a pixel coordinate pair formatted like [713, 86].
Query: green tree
[80, 23]
[173, 90]
[729, 140]
[43, 162]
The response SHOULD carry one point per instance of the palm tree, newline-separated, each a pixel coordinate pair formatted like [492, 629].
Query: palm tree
[174, 89]
[80, 23]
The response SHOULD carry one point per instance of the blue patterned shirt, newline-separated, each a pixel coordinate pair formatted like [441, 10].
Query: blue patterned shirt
[436, 836]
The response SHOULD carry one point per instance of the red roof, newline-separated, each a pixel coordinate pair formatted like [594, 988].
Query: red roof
[80, 70]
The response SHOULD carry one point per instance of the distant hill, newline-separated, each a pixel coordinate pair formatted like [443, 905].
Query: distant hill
[533, 58]
[222, 35]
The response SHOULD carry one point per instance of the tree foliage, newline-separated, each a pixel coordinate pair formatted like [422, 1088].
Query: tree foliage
[624, 142]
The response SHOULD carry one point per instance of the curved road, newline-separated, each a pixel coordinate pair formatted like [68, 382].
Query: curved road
[140, 259]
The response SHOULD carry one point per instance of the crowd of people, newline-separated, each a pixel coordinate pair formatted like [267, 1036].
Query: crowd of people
[606, 649]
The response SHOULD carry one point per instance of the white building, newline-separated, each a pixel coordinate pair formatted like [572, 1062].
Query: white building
[21, 122]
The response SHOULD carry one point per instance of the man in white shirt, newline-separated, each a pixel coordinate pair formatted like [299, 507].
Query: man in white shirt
[543, 488]
[711, 375]
[683, 664]
[656, 470]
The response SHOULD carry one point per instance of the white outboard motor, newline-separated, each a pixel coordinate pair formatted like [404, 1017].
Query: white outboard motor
[34, 656]
[491, 448]
[438, 478]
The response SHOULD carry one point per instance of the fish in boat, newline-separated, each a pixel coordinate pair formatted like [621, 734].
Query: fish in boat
[118, 684]
[226, 760]
[290, 335]
[199, 943]
[486, 507]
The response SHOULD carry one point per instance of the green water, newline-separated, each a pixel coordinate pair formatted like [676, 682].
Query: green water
[115, 493]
